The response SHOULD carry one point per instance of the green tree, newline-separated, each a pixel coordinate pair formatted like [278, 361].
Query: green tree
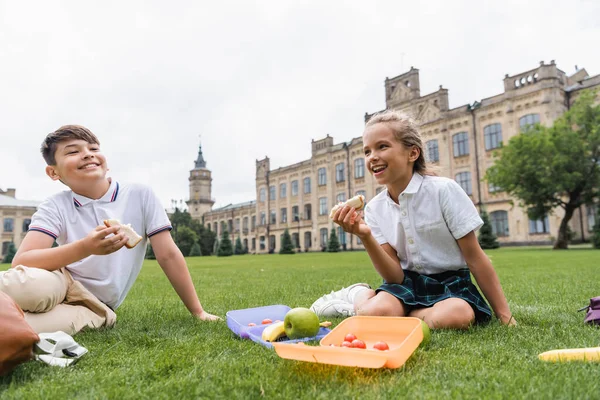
[239, 249]
[287, 247]
[596, 237]
[558, 166]
[150, 253]
[10, 253]
[225, 247]
[333, 246]
[487, 238]
[206, 238]
[185, 238]
[196, 250]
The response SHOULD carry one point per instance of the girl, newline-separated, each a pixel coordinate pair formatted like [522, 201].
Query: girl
[420, 236]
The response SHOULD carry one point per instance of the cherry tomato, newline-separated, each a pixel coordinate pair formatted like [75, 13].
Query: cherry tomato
[267, 321]
[350, 337]
[251, 324]
[346, 343]
[381, 346]
[358, 344]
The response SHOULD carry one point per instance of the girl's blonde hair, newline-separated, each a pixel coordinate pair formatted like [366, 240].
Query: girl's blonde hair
[405, 131]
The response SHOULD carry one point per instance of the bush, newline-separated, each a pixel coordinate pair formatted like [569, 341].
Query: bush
[334, 244]
[287, 247]
[596, 235]
[487, 238]
[239, 249]
[10, 253]
[196, 250]
[225, 247]
[150, 252]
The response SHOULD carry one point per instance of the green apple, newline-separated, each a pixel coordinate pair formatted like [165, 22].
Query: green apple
[300, 323]
[426, 333]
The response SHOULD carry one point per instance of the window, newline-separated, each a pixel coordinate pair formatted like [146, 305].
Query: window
[323, 206]
[215, 228]
[245, 225]
[307, 240]
[272, 192]
[263, 195]
[272, 243]
[433, 152]
[359, 168]
[322, 173]
[323, 237]
[307, 212]
[27, 222]
[9, 224]
[253, 243]
[5, 247]
[261, 243]
[306, 185]
[341, 235]
[294, 188]
[591, 216]
[499, 222]
[223, 226]
[461, 144]
[284, 215]
[492, 135]
[361, 193]
[273, 217]
[340, 198]
[283, 191]
[339, 172]
[464, 180]
[230, 225]
[245, 244]
[237, 224]
[493, 188]
[295, 214]
[263, 218]
[539, 226]
[526, 122]
[253, 223]
[296, 240]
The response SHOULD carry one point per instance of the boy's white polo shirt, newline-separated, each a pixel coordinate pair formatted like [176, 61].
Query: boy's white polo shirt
[431, 214]
[68, 217]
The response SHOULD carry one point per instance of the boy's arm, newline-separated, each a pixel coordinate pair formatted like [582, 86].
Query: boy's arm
[486, 277]
[173, 264]
[36, 248]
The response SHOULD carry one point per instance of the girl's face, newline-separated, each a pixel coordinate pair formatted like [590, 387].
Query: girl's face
[389, 161]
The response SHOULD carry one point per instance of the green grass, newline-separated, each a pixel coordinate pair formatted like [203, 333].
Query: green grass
[158, 351]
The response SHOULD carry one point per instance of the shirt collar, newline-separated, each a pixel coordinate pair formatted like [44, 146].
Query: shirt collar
[110, 196]
[413, 186]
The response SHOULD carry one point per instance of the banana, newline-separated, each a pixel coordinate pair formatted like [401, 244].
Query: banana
[586, 354]
[273, 332]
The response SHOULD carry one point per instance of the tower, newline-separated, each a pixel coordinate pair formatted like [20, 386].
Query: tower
[200, 200]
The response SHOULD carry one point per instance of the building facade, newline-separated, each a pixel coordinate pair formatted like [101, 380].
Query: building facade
[459, 142]
[15, 216]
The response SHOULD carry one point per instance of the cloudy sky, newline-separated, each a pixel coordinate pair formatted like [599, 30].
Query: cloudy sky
[253, 78]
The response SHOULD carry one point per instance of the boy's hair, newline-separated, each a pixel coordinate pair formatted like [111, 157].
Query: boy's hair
[67, 132]
[406, 131]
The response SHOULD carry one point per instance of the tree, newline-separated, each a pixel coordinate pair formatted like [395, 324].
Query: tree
[487, 238]
[596, 237]
[150, 253]
[287, 247]
[10, 253]
[238, 247]
[333, 246]
[195, 251]
[225, 247]
[185, 238]
[558, 166]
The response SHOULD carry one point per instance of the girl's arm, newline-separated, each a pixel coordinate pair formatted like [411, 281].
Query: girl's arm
[486, 277]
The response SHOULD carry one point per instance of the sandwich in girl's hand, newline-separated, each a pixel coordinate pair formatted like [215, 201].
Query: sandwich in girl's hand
[358, 202]
[130, 233]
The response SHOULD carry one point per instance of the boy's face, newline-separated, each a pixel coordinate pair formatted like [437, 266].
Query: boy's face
[77, 162]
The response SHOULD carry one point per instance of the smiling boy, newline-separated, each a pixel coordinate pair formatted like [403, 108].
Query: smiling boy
[82, 281]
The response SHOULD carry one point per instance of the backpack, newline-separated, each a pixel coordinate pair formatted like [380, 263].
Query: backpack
[17, 338]
[593, 311]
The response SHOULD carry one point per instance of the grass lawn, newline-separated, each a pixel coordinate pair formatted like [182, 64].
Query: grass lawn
[158, 351]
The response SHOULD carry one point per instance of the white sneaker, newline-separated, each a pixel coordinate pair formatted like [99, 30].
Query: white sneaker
[333, 308]
[341, 294]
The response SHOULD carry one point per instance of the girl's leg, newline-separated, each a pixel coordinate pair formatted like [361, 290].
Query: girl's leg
[380, 304]
[453, 313]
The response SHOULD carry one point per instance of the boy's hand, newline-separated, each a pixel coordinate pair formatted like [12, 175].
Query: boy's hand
[98, 242]
[351, 221]
[204, 316]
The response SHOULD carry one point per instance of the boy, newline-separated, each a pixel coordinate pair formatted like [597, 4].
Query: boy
[82, 281]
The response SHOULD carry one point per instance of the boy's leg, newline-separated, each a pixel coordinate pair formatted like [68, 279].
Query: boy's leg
[33, 289]
[64, 317]
[452, 313]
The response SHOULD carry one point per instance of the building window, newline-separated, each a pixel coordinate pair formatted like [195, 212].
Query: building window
[263, 195]
[433, 152]
[296, 240]
[237, 224]
[215, 228]
[245, 225]
[323, 237]
[339, 172]
[263, 218]
[539, 225]
[230, 225]
[340, 198]
[294, 188]
[323, 206]
[461, 144]
[262, 243]
[283, 191]
[499, 221]
[307, 212]
[526, 122]
[253, 223]
[464, 180]
[341, 235]
[322, 173]
[283, 215]
[272, 243]
[306, 185]
[492, 135]
[295, 214]
[9, 224]
[272, 193]
[493, 188]
[253, 243]
[27, 222]
[273, 218]
[245, 244]
[361, 193]
[5, 247]
[359, 168]
[307, 240]
[591, 216]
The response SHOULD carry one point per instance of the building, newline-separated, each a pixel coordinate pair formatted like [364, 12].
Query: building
[459, 141]
[16, 216]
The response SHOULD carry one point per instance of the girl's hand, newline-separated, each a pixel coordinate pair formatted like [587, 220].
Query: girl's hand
[204, 316]
[508, 320]
[352, 222]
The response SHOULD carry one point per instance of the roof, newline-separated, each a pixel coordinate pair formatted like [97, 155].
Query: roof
[8, 201]
[234, 206]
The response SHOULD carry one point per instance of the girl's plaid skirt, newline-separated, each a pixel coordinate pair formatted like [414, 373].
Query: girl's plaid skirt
[418, 291]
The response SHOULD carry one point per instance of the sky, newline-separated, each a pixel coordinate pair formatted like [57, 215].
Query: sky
[249, 79]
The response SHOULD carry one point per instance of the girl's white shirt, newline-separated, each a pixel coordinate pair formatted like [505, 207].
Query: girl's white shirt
[431, 214]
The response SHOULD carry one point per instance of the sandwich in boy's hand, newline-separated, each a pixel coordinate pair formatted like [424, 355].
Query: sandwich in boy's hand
[358, 202]
[130, 233]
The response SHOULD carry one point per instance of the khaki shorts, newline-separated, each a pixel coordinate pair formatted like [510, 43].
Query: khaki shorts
[54, 301]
